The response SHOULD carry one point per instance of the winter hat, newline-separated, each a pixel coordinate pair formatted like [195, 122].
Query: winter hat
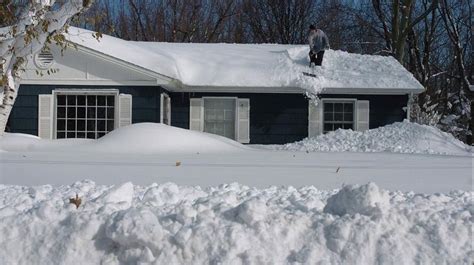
[312, 27]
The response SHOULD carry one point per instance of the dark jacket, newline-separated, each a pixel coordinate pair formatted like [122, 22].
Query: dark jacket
[318, 41]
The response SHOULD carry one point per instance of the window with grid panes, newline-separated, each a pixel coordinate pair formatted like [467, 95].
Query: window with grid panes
[338, 115]
[219, 116]
[84, 116]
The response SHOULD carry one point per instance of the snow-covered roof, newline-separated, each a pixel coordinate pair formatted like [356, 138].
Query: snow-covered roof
[255, 65]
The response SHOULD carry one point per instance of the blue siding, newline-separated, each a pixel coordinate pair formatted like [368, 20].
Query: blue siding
[24, 116]
[283, 118]
[274, 118]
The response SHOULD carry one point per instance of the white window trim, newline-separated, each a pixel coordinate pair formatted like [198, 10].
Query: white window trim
[236, 118]
[69, 91]
[162, 100]
[340, 100]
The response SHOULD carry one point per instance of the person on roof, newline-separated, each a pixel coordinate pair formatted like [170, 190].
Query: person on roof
[318, 42]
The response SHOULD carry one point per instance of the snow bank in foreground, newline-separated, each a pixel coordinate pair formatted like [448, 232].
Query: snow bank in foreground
[139, 138]
[367, 200]
[232, 224]
[400, 137]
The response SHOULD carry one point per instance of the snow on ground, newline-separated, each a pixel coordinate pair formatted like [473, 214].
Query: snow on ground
[399, 137]
[290, 212]
[148, 153]
[232, 224]
[140, 138]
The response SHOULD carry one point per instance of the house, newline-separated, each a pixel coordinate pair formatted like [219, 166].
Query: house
[253, 93]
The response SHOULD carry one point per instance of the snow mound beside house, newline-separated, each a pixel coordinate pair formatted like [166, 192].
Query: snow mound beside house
[399, 137]
[149, 138]
[232, 224]
[139, 138]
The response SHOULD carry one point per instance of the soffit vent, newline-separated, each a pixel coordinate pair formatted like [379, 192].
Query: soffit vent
[44, 60]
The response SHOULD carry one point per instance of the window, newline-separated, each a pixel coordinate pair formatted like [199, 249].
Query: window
[225, 116]
[84, 115]
[338, 115]
[219, 116]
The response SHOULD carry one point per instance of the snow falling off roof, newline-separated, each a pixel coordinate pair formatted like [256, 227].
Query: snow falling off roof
[254, 65]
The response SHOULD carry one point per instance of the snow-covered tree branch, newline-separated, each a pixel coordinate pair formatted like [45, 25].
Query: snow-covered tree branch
[38, 23]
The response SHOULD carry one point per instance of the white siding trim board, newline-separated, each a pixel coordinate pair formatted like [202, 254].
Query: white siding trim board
[179, 87]
[83, 82]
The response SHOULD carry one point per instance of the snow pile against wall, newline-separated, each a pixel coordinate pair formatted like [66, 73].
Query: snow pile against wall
[149, 138]
[232, 224]
[400, 137]
[139, 138]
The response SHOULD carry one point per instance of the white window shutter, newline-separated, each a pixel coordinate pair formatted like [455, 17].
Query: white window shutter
[243, 123]
[196, 114]
[315, 118]
[162, 101]
[168, 106]
[45, 116]
[165, 109]
[125, 110]
[362, 115]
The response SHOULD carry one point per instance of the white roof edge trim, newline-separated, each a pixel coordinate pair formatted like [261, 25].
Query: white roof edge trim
[123, 63]
[81, 82]
[293, 90]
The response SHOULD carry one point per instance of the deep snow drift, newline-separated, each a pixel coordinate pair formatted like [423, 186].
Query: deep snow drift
[157, 138]
[139, 138]
[400, 137]
[140, 153]
[232, 224]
